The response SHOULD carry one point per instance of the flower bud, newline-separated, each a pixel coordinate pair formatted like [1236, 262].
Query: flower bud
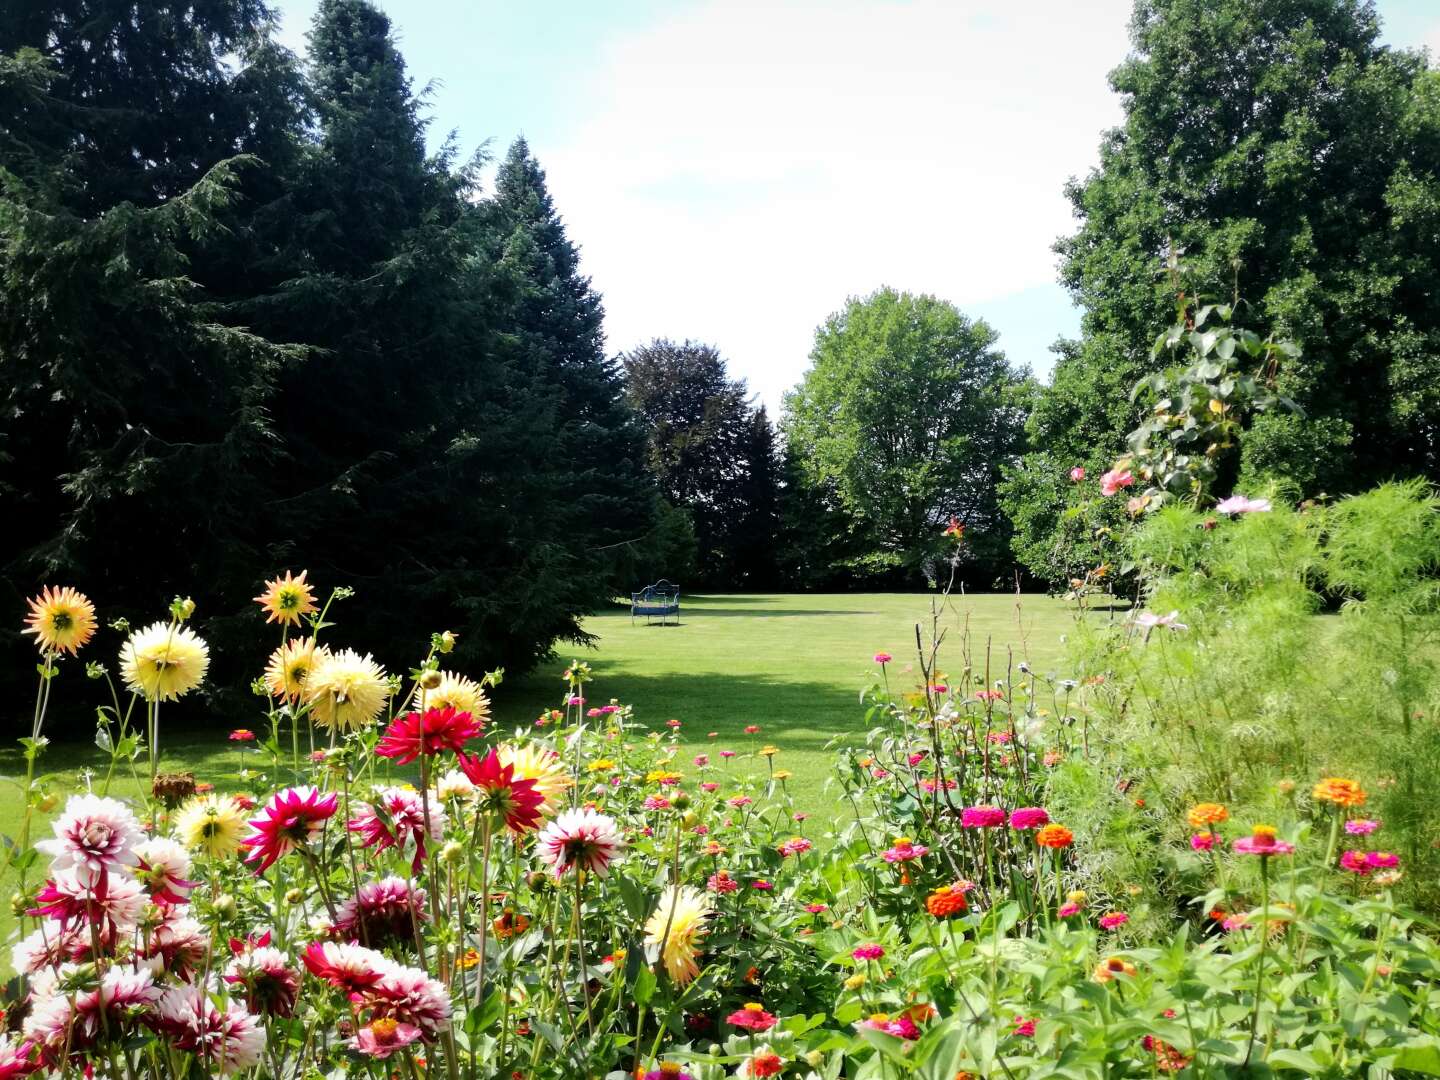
[181, 608]
[429, 679]
[447, 642]
[294, 896]
[452, 853]
[47, 801]
[225, 906]
[19, 904]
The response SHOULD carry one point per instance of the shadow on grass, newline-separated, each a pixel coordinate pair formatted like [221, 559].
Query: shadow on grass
[773, 613]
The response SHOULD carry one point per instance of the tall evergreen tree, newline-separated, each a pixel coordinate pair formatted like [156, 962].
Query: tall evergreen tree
[1280, 150]
[757, 537]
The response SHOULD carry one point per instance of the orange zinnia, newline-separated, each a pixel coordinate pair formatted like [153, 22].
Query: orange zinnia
[1207, 813]
[1333, 789]
[1054, 836]
[945, 901]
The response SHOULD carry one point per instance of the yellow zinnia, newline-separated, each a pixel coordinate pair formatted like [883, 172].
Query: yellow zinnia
[290, 665]
[677, 928]
[164, 661]
[346, 690]
[458, 693]
[212, 824]
[286, 599]
[532, 762]
[62, 620]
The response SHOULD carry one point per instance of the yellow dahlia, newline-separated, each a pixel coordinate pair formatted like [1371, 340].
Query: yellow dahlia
[346, 690]
[62, 620]
[540, 764]
[164, 661]
[677, 928]
[290, 665]
[286, 599]
[212, 824]
[458, 693]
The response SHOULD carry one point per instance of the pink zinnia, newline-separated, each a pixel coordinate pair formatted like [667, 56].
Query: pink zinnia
[1029, 817]
[902, 1027]
[1203, 841]
[1113, 921]
[868, 952]
[904, 851]
[1024, 1028]
[656, 802]
[752, 1018]
[982, 817]
[796, 846]
[1361, 826]
[727, 753]
[762, 885]
[1112, 481]
[1263, 842]
[752, 729]
[428, 733]
[816, 909]
[293, 818]
[883, 658]
[1068, 910]
[709, 786]
[580, 839]
[722, 882]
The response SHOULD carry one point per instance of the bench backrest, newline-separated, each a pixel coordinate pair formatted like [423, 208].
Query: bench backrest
[662, 590]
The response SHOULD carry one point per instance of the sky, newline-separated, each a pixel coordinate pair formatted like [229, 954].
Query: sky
[733, 170]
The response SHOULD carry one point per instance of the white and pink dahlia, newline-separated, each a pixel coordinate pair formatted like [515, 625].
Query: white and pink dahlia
[17, 1059]
[381, 912]
[398, 819]
[351, 968]
[163, 867]
[582, 839]
[227, 1042]
[52, 945]
[60, 1019]
[270, 985]
[178, 943]
[94, 835]
[110, 901]
[291, 819]
[409, 996]
[381, 1038]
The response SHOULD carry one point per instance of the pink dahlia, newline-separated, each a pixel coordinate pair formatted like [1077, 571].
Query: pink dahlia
[397, 820]
[500, 794]
[982, 817]
[1068, 910]
[226, 1042]
[382, 912]
[1077, 473]
[59, 1019]
[268, 983]
[17, 1059]
[351, 968]
[1029, 817]
[110, 902]
[409, 996]
[93, 834]
[163, 867]
[582, 839]
[178, 942]
[428, 733]
[292, 819]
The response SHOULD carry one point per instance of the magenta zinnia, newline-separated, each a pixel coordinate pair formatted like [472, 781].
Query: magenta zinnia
[581, 839]
[428, 733]
[292, 818]
[982, 817]
[515, 802]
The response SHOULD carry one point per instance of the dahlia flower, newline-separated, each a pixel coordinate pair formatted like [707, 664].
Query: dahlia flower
[108, 900]
[1239, 504]
[212, 824]
[164, 661]
[399, 821]
[431, 732]
[459, 693]
[17, 1059]
[163, 867]
[269, 984]
[582, 839]
[752, 1017]
[383, 1037]
[227, 1042]
[346, 690]
[62, 620]
[410, 996]
[382, 912]
[454, 785]
[293, 818]
[61, 1019]
[51, 945]
[290, 665]
[351, 968]
[676, 928]
[93, 834]
[541, 764]
[178, 943]
[498, 794]
[286, 599]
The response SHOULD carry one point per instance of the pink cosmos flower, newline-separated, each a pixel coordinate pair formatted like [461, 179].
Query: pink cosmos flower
[868, 952]
[381, 1038]
[1361, 826]
[1148, 620]
[399, 821]
[1113, 920]
[582, 839]
[226, 1042]
[1112, 481]
[95, 834]
[1239, 504]
[982, 817]
[1029, 817]
[293, 818]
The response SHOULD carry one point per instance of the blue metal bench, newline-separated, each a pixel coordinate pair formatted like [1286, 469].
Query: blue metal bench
[658, 601]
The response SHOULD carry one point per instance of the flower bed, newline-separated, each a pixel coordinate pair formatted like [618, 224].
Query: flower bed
[421, 894]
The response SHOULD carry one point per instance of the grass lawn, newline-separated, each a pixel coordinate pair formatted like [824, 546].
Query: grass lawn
[793, 664]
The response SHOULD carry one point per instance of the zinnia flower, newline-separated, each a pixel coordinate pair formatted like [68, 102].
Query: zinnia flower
[904, 850]
[1113, 920]
[677, 927]
[164, 661]
[94, 834]
[346, 690]
[516, 803]
[1054, 836]
[722, 882]
[62, 620]
[764, 1062]
[868, 952]
[883, 658]
[1077, 473]
[290, 665]
[796, 845]
[582, 839]
[431, 732]
[1361, 826]
[212, 824]
[945, 902]
[752, 1017]
[1111, 968]
[462, 694]
[292, 818]
[1346, 793]
[668, 1070]
[982, 817]
[1029, 817]
[286, 599]
[1203, 841]
[1263, 842]
[1207, 813]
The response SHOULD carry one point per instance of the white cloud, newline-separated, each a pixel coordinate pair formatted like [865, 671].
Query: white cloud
[744, 166]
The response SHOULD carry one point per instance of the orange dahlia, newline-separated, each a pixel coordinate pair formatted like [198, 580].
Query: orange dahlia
[62, 620]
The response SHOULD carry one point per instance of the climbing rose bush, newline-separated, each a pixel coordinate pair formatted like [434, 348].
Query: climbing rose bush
[403, 889]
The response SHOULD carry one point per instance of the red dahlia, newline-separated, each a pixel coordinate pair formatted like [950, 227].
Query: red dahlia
[427, 733]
